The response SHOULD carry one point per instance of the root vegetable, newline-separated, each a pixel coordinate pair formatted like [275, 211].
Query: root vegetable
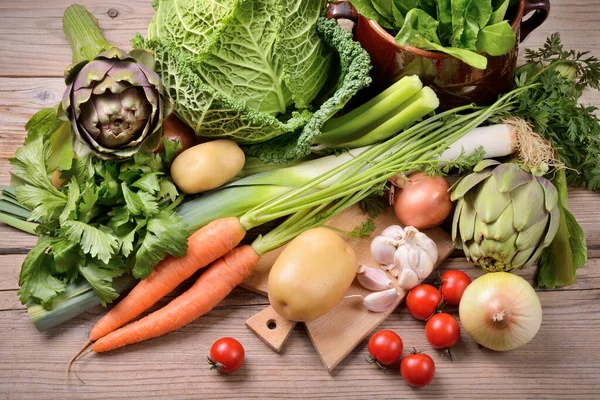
[311, 275]
[423, 201]
[500, 311]
[207, 166]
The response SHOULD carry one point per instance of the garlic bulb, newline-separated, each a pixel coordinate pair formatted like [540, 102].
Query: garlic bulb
[415, 258]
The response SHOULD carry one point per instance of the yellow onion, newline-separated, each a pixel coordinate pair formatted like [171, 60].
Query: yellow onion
[500, 311]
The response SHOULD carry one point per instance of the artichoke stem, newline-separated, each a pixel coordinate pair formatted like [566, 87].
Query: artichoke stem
[84, 35]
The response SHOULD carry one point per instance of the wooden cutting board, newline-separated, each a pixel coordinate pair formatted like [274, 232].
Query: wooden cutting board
[337, 333]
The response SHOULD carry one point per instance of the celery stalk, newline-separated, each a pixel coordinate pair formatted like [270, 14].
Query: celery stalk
[353, 124]
[421, 104]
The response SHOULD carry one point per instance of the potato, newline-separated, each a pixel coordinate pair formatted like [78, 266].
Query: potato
[311, 275]
[207, 166]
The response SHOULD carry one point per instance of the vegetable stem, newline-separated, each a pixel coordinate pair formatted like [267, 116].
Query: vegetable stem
[25, 226]
[84, 35]
[392, 100]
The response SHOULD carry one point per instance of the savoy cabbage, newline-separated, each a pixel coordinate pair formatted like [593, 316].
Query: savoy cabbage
[255, 71]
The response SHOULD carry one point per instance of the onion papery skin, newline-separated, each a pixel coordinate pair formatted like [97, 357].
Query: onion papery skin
[511, 300]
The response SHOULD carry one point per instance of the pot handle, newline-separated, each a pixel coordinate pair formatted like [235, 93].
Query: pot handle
[342, 9]
[541, 9]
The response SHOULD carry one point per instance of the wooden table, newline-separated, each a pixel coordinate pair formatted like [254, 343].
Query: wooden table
[562, 362]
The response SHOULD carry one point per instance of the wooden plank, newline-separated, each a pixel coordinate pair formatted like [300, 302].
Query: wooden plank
[31, 31]
[173, 366]
[20, 98]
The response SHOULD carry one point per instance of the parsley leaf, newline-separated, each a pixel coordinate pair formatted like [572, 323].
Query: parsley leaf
[140, 202]
[373, 205]
[70, 210]
[148, 183]
[36, 279]
[364, 230]
[100, 276]
[97, 242]
[558, 78]
[166, 234]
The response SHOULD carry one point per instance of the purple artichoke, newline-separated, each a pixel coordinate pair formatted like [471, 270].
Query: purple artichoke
[115, 104]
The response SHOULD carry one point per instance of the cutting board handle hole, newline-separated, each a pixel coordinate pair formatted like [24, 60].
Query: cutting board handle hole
[272, 324]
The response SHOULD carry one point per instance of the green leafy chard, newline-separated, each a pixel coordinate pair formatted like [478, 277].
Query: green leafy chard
[420, 30]
[468, 18]
[459, 28]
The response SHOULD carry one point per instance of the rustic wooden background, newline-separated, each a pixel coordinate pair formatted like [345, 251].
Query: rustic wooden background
[562, 362]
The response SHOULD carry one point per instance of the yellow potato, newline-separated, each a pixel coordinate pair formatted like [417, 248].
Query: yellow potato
[311, 275]
[207, 166]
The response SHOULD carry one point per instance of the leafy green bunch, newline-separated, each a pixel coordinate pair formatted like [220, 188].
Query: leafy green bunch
[460, 28]
[106, 219]
[557, 79]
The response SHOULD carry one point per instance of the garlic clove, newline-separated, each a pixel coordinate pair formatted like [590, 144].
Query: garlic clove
[393, 231]
[382, 301]
[383, 249]
[427, 244]
[373, 278]
[408, 279]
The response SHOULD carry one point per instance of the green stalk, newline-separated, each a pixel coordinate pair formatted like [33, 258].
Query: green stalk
[567, 252]
[351, 125]
[25, 226]
[78, 298]
[294, 201]
[416, 108]
[83, 33]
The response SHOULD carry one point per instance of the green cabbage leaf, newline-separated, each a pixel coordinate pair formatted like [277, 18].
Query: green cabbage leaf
[255, 70]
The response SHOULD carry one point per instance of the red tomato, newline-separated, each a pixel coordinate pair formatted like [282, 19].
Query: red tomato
[422, 300]
[442, 331]
[226, 355]
[385, 347]
[417, 369]
[454, 283]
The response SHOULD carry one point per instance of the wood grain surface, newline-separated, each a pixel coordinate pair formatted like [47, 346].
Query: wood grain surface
[562, 362]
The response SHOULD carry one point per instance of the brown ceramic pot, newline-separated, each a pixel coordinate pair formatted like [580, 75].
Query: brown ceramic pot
[455, 82]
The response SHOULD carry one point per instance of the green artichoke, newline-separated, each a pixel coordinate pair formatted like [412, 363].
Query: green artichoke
[115, 104]
[504, 217]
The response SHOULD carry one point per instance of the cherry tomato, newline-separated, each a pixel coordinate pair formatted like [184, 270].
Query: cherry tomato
[385, 347]
[454, 283]
[442, 331]
[226, 355]
[422, 300]
[417, 369]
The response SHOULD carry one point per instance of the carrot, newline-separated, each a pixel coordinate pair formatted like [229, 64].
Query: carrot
[204, 246]
[212, 287]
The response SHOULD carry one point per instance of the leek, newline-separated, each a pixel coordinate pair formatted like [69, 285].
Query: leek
[78, 298]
